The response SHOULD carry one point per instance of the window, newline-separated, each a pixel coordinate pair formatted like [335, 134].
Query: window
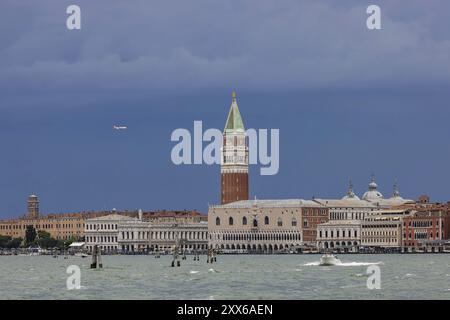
[279, 222]
[266, 220]
[255, 223]
[230, 221]
[217, 221]
[244, 221]
[305, 223]
[294, 222]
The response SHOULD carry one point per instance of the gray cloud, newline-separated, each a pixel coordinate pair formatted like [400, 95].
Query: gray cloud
[269, 45]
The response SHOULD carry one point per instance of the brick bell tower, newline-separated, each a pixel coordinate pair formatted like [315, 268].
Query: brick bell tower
[234, 157]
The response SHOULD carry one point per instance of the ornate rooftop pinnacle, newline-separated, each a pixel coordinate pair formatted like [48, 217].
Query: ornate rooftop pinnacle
[373, 185]
[350, 192]
[395, 193]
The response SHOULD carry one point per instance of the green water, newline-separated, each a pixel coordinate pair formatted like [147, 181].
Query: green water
[419, 276]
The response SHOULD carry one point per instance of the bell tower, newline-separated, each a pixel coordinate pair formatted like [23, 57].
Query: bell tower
[32, 206]
[234, 157]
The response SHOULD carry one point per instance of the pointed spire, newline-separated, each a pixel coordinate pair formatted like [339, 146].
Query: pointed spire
[234, 120]
[395, 193]
[350, 192]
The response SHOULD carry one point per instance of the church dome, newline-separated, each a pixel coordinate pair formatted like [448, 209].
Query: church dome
[372, 193]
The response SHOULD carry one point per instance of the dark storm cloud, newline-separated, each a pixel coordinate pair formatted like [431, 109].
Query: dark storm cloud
[171, 45]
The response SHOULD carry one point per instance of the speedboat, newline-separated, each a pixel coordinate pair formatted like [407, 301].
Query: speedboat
[81, 254]
[329, 259]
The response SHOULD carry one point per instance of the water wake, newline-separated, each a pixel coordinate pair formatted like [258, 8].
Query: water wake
[316, 263]
[357, 264]
[345, 264]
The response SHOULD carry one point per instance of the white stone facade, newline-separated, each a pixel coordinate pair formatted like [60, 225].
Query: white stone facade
[258, 226]
[123, 234]
[192, 237]
[103, 231]
[341, 235]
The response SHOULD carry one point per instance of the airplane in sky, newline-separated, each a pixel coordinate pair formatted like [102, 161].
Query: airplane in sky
[119, 127]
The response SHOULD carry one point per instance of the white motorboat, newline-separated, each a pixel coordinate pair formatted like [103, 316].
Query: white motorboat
[81, 254]
[329, 259]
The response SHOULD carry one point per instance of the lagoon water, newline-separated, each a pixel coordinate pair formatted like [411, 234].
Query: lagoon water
[413, 276]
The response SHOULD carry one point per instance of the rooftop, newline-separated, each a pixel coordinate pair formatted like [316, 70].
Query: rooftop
[270, 203]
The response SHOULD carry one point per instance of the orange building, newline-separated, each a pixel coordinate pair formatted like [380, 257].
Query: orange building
[66, 226]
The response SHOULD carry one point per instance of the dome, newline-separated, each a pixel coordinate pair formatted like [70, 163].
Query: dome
[352, 197]
[372, 193]
[373, 185]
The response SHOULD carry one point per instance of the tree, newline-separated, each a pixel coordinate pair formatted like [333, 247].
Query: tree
[4, 240]
[30, 234]
[43, 234]
[14, 243]
[45, 240]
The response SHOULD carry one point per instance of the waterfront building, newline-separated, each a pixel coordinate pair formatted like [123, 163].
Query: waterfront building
[123, 234]
[351, 207]
[191, 237]
[71, 226]
[133, 235]
[384, 230]
[234, 158]
[341, 235]
[312, 217]
[427, 230]
[348, 215]
[103, 232]
[59, 226]
[269, 226]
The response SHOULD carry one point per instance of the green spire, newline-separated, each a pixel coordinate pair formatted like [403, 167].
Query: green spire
[234, 120]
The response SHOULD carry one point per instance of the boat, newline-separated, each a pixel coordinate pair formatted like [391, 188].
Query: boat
[81, 254]
[329, 259]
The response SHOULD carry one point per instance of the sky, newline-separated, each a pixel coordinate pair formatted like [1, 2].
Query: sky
[348, 101]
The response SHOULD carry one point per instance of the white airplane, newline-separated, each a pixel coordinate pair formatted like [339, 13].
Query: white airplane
[119, 127]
